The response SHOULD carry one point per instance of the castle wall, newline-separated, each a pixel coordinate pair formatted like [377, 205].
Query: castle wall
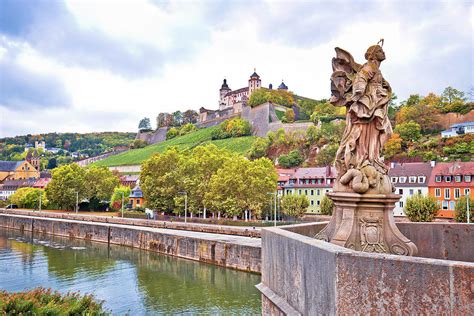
[153, 137]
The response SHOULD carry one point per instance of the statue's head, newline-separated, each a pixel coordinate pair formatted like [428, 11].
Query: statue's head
[375, 52]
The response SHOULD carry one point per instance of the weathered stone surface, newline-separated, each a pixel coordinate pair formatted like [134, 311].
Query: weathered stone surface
[237, 252]
[320, 278]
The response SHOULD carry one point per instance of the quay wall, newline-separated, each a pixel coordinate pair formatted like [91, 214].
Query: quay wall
[241, 253]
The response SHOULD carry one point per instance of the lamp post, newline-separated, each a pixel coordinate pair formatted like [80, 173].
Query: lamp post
[40, 194]
[275, 207]
[185, 205]
[122, 203]
[468, 211]
[77, 201]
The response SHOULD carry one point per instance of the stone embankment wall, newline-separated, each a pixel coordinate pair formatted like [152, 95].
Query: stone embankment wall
[153, 137]
[305, 276]
[88, 161]
[241, 253]
[126, 168]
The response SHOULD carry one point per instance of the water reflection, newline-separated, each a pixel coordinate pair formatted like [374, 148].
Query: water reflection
[129, 280]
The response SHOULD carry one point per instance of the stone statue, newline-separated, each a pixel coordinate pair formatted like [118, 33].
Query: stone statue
[362, 219]
[366, 95]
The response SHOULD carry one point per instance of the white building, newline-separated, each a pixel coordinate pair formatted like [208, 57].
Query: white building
[409, 179]
[459, 129]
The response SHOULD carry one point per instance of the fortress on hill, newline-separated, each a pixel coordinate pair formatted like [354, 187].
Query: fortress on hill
[231, 102]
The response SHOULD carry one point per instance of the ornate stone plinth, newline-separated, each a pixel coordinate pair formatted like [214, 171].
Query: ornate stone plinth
[364, 222]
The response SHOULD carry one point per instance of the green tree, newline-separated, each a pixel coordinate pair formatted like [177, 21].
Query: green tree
[187, 128]
[327, 155]
[172, 133]
[66, 181]
[393, 146]
[289, 116]
[460, 210]
[410, 131]
[294, 205]
[259, 148]
[52, 163]
[29, 198]
[116, 198]
[99, 184]
[453, 99]
[293, 159]
[177, 118]
[144, 125]
[190, 116]
[327, 206]
[421, 208]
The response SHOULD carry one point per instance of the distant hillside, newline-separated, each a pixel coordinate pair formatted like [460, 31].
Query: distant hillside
[200, 137]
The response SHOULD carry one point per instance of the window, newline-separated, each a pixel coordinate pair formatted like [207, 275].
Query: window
[394, 179]
[318, 192]
[412, 179]
[400, 203]
[400, 191]
[318, 202]
[438, 178]
[327, 191]
[438, 192]
[458, 178]
[457, 193]
[403, 179]
[447, 178]
[312, 192]
[445, 205]
[467, 178]
[411, 191]
[421, 179]
[312, 202]
[305, 192]
[313, 181]
[328, 181]
[452, 205]
[467, 191]
[447, 194]
[287, 191]
[299, 192]
[320, 181]
[419, 191]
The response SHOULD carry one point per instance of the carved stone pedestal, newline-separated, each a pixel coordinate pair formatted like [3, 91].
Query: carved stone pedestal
[364, 222]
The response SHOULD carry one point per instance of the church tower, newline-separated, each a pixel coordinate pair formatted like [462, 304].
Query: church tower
[254, 82]
[222, 93]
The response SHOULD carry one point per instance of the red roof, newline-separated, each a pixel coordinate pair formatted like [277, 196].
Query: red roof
[452, 169]
[41, 183]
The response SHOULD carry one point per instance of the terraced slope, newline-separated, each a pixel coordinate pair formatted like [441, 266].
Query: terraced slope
[203, 136]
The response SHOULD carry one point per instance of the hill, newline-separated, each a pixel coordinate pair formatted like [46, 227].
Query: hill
[200, 137]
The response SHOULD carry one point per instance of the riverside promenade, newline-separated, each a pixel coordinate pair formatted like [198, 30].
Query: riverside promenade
[232, 247]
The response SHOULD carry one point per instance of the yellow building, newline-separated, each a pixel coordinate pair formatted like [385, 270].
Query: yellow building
[17, 170]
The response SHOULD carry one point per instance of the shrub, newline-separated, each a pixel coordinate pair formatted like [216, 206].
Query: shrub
[289, 116]
[327, 206]
[259, 148]
[421, 208]
[172, 133]
[293, 159]
[186, 129]
[42, 301]
[138, 143]
[235, 127]
[460, 210]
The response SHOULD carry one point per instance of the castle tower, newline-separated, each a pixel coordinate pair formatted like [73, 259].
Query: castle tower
[254, 82]
[222, 93]
[283, 86]
[34, 158]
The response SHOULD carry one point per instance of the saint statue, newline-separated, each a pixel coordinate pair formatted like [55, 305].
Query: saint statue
[366, 95]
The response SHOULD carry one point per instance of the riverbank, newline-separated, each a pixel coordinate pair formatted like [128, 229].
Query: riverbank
[227, 250]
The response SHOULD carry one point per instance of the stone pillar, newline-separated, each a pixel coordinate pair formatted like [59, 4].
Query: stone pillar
[365, 222]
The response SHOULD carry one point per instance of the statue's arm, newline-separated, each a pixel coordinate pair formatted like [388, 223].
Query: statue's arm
[360, 83]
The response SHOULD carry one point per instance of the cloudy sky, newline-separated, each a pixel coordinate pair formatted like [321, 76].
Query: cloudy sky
[91, 65]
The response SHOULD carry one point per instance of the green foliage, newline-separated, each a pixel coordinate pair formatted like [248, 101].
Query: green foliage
[200, 137]
[138, 143]
[66, 181]
[279, 114]
[116, 199]
[29, 198]
[235, 127]
[327, 206]
[172, 133]
[289, 116]
[410, 131]
[294, 205]
[99, 184]
[327, 155]
[460, 210]
[293, 159]
[40, 301]
[280, 97]
[259, 148]
[144, 125]
[420, 208]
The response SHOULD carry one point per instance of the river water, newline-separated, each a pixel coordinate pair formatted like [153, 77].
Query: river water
[127, 280]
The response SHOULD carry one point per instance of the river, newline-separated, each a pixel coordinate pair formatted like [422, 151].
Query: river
[128, 280]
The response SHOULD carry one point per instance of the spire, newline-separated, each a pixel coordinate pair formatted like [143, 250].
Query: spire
[254, 75]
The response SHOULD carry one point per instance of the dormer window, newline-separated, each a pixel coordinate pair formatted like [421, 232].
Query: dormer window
[467, 178]
[421, 179]
[403, 179]
[447, 178]
[412, 179]
[394, 179]
[458, 178]
[438, 178]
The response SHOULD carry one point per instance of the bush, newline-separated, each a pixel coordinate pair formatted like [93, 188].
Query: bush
[289, 116]
[186, 129]
[172, 133]
[138, 143]
[42, 301]
[421, 208]
[235, 127]
[29, 198]
[460, 210]
[327, 206]
[294, 205]
[259, 148]
[293, 159]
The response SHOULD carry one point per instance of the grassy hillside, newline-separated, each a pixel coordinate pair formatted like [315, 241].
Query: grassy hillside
[200, 137]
